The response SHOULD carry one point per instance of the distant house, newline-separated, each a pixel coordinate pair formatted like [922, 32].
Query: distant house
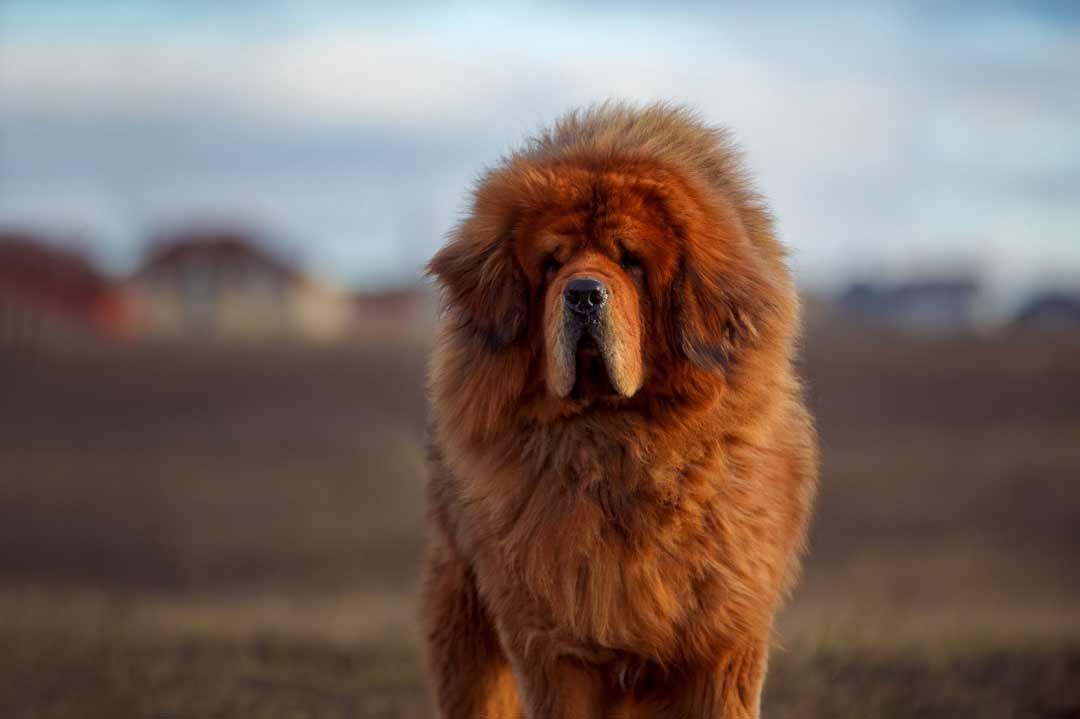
[219, 282]
[946, 303]
[48, 292]
[1051, 310]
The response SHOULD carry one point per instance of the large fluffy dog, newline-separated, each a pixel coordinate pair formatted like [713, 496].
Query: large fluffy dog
[622, 465]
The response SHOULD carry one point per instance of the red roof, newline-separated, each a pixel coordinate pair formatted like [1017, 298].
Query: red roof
[216, 246]
[58, 282]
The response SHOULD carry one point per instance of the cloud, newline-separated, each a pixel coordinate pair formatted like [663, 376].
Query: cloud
[876, 130]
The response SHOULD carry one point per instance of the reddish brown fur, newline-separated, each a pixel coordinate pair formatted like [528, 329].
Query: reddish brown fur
[615, 556]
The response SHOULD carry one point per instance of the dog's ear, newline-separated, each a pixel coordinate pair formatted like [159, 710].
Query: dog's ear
[718, 313]
[483, 283]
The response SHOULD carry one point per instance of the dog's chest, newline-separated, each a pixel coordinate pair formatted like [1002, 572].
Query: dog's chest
[609, 565]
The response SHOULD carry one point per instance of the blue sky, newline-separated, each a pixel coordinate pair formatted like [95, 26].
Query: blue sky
[889, 137]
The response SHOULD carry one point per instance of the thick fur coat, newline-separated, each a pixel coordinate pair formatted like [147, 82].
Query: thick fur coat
[622, 465]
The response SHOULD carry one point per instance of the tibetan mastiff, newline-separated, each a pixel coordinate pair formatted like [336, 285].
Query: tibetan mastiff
[622, 464]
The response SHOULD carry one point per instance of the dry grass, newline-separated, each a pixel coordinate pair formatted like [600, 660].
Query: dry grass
[238, 533]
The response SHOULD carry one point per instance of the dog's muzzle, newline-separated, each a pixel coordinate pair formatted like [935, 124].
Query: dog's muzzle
[593, 344]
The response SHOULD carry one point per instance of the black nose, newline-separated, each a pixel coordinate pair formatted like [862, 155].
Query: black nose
[585, 295]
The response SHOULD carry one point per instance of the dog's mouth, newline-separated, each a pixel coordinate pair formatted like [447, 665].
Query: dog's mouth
[591, 373]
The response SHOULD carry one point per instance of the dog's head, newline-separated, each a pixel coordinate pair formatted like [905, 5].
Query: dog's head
[610, 280]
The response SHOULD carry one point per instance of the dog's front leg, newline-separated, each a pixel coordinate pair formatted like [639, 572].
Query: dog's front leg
[728, 689]
[559, 688]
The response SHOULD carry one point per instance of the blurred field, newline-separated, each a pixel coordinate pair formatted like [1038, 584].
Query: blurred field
[219, 533]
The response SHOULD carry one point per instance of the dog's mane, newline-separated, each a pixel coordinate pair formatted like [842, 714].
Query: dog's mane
[670, 134]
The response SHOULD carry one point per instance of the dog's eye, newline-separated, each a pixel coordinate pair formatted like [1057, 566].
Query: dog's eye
[630, 261]
[551, 266]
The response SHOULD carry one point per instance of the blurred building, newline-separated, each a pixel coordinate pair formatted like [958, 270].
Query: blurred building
[47, 293]
[219, 282]
[1051, 310]
[404, 313]
[939, 303]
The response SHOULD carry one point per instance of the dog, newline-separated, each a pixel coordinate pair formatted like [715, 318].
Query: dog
[622, 465]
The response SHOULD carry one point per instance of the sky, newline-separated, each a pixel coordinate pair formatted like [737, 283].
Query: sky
[889, 138]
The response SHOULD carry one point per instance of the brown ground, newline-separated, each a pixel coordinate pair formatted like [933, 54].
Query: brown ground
[238, 533]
